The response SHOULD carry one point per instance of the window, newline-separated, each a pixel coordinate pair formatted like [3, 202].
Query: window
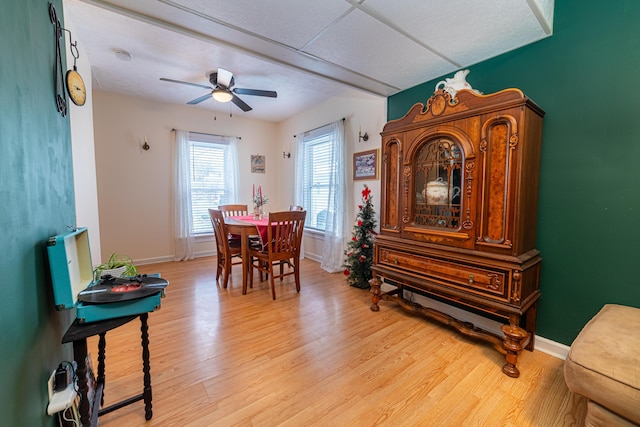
[211, 170]
[320, 188]
[317, 178]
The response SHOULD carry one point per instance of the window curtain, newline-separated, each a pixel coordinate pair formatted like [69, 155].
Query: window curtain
[231, 177]
[333, 247]
[230, 160]
[184, 240]
[183, 208]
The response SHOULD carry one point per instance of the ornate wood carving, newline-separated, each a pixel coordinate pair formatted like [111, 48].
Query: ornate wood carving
[405, 193]
[467, 228]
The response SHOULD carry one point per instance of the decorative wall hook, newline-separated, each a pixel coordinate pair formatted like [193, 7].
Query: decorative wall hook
[145, 146]
[58, 75]
[74, 84]
[286, 155]
[362, 137]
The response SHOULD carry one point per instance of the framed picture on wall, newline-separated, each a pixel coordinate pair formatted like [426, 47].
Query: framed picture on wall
[257, 163]
[365, 165]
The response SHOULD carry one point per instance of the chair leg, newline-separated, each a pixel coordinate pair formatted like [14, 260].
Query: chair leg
[296, 273]
[273, 285]
[218, 267]
[225, 280]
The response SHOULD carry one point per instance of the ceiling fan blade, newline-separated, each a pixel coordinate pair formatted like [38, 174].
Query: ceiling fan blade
[256, 92]
[199, 100]
[224, 77]
[240, 103]
[186, 83]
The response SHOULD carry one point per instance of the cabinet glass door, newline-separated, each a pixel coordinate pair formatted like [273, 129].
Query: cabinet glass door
[438, 174]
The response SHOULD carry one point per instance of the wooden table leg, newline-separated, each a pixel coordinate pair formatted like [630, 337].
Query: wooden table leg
[146, 367]
[102, 344]
[246, 262]
[80, 356]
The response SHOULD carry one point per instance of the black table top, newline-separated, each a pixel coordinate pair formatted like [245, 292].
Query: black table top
[79, 330]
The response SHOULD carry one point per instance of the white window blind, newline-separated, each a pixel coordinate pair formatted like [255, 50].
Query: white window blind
[318, 169]
[209, 186]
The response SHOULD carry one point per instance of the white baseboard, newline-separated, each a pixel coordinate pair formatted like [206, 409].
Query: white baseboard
[552, 348]
[156, 260]
[169, 258]
[313, 257]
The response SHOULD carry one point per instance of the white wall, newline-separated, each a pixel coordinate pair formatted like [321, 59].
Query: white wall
[360, 110]
[135, 186]
[82, 150]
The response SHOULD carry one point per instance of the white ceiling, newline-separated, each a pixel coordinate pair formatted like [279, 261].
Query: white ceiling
[306, 50]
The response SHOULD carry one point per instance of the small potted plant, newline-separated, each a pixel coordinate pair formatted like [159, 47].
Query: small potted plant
[117, 265]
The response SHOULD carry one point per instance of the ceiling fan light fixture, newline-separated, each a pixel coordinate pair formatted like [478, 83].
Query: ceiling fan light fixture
[222, 95]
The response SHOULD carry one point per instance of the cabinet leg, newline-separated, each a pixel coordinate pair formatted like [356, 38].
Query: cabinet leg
[146, 367]
[375, 293]
[513, 343]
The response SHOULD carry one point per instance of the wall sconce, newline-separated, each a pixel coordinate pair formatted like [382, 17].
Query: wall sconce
[362, 137]
[145, 146]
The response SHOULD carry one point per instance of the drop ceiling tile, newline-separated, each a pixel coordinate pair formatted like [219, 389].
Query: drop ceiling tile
[363, 44]
[465, 32]
[379, 46]
[159, 52]
[290, 22]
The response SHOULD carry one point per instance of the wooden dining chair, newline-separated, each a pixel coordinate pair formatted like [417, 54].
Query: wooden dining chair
[284, 237]
[227, 249]
[234, 210]
[295, 208]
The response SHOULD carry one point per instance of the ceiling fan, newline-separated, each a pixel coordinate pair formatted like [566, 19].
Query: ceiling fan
[223, 90]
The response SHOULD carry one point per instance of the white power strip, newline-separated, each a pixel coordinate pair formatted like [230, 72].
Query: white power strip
[60, 400]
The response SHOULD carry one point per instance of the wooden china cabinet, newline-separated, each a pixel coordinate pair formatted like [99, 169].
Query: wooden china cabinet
[458, 213]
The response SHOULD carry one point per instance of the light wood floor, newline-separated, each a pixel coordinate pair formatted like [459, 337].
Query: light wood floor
[318, 358]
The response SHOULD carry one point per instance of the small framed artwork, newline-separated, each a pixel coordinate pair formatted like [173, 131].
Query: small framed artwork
[257, 163]
[365, 165]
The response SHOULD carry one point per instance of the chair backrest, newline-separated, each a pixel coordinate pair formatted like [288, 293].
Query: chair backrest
[295, 208]
[285, 233]
[234, 210]
[220, 232]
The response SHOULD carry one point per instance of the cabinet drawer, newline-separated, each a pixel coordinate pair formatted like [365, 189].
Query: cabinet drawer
[486, 281]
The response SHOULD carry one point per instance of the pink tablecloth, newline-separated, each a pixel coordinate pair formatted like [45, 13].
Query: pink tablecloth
[261, 224]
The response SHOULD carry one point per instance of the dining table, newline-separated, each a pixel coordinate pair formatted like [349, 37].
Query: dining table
[245, 226]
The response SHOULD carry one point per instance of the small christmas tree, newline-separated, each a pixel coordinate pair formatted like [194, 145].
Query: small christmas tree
[360, 249]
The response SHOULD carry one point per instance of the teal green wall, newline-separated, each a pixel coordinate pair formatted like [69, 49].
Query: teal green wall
[585, 77]
[36, 201]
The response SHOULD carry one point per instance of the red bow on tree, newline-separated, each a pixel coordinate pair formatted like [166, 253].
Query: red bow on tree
[365, 193]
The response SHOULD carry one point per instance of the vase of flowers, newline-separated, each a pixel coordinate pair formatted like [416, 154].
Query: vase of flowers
[259, 200]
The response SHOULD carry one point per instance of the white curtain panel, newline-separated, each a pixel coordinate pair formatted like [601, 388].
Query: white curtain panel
[333, 248]
[231, 178]
[184, 240]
